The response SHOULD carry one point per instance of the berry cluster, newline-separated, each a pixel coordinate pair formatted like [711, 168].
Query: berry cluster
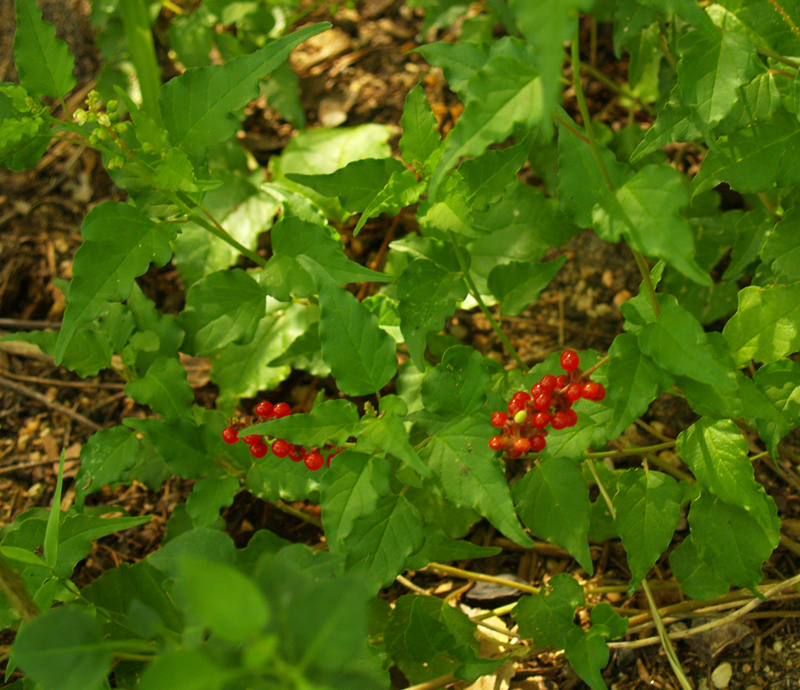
[548, 404]
[259, 445]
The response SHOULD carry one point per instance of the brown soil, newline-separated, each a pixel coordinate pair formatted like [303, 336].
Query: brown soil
[358, 74]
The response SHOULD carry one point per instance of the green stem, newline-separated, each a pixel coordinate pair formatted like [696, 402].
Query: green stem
[481, 577]
[785, 16]
[584, 109]
[640, 450]
[587, 125]
[305, 517]
[766, 52]
[473, 290]
[644, 270]
[651, 602]
[611, 84]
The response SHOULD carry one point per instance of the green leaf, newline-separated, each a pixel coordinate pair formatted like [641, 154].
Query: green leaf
[43, 61]
[459, 61]
[221, 598]
[351, 487]
[428, 294]
[119, 243]
[553, 502]
[208, 496]
[712, 67]
[221, 308]
[86, 356]
[201, 542]
[388, 433]
[427, 638]
[176, 172]
[780, 383]
[180, 442]
[647, 506]
[766, 326]
[293, 237]
[698, 579]
[197, 105]
[580, 184]
[164, 389]
[546, 618]
[588, 654]
[716, 453]
[63, 650]
[117, 588]
[470, 474]
[674, 122]
[184, 669]
[320, 151]
[519, 284]
[379, 543]
[24, 135]
[646, 212]
[733, 540]
[244, 370]
[361, 356]
[781, 248]
[688, 10]
[439, 548]
[420, 139]
[504, 93]
[546, 24]
[106, 458]
[305, 353]
[457, 385]
[755, 158]
[634, 381]
[676, 342]
[356, 184]
[489, 176]
[332, 421]
[400, 191]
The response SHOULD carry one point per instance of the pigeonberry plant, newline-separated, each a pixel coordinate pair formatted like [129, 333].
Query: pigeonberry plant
[428, 440]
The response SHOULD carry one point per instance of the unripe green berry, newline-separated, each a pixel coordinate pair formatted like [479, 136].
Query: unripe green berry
[111, 106]
[521, 416]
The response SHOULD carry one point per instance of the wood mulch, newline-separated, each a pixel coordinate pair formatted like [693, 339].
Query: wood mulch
[358, 73]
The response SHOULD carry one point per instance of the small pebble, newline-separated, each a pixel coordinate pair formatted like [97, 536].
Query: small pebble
[721, 675]
[777, 646]
[746, 668]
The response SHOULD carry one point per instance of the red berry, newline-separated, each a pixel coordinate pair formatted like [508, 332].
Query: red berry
[264, 408]
[499, 418]
[513, 454]
[548, 383]
[259, 450]
[569, 360]
[252, 439]
[538, 443]
[333, 455]
[281, 448]
[601, 393]
[497, 443]
[543, 402]
[296, 453]
[541, 420]
[572, 418]
[314, 461]
[522, 396]
[536, 389]
[574, 392]
[281, 410]
[561, 381]
[515, 405]
[230, 435]
[522, 445]
[590, 390]
[560, 420]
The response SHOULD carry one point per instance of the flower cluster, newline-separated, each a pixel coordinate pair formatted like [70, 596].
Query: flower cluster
[260, 445]
[549, 403]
